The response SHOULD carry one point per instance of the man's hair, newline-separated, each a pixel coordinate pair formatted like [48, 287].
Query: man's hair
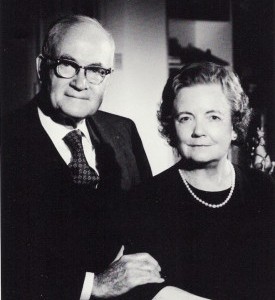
[204, 73]
[61, 26]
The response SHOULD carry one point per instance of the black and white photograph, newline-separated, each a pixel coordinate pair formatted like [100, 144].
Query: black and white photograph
[137, 149]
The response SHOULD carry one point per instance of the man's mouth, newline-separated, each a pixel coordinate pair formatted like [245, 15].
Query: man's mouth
[77, 97]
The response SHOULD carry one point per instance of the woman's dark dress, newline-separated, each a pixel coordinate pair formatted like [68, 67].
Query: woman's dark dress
[222, 253]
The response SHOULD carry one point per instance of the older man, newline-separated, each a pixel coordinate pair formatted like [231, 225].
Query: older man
[63, 161]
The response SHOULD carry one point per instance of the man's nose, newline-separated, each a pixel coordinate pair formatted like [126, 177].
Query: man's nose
[79, 82]
[199, 129]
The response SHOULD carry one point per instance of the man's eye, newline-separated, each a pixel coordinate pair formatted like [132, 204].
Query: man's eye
[66, 63]
[92, 70]
[97, 70]
[102, 72]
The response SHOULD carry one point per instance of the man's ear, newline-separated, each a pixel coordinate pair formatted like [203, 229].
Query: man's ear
[38, 67]
[107, 82]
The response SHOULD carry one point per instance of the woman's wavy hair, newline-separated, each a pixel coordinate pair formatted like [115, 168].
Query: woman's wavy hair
[204, 73]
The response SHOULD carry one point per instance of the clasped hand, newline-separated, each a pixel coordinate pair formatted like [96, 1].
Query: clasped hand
[125, 273]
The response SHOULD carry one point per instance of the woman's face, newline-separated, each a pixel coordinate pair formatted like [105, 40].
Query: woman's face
[203, 123]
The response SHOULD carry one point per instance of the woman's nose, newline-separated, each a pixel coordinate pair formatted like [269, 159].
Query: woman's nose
[199, 129]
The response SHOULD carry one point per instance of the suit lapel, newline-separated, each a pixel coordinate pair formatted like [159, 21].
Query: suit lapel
[106, 147]
[42, 150]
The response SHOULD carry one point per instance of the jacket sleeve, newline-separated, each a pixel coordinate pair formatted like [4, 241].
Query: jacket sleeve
[139, 152]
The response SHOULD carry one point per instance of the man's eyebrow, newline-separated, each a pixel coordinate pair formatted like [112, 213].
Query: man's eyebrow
[67, 56]
[95, 65]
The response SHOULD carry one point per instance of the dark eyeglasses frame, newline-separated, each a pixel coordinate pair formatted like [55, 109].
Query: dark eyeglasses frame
[77, 67]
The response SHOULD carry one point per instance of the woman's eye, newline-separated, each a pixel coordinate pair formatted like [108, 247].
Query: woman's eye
[184, 119]
[214, 118]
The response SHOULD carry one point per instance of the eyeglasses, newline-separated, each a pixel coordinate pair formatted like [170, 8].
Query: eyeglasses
[66, 68]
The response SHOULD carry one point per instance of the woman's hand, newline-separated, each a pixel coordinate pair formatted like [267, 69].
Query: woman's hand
[171, 292]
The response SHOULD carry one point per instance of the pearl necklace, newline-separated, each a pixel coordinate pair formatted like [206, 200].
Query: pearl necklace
[233, 176]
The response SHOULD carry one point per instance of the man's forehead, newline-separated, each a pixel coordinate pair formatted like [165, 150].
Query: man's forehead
[85, 31]
[88, 31]
[86, 41]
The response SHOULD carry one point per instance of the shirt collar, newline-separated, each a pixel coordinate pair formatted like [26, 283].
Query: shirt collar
[58, 131]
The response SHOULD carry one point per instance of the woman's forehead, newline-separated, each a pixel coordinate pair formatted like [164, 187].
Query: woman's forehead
[201, 95]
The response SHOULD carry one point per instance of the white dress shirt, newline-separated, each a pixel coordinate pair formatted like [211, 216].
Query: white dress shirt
[57, 132]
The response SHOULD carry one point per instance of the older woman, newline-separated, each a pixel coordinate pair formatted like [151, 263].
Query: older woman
[208, 223]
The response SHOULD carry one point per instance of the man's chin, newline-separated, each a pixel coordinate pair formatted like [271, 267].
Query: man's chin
[68, 117]
[78, 113]
[76, 116]
[80, 110]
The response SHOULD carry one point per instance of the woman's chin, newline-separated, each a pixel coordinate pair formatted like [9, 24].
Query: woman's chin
[191, 163]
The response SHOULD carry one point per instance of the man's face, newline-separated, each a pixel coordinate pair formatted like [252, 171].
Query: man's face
[87, 46]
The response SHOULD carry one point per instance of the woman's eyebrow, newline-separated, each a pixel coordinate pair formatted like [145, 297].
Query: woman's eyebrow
[215, 111]
[183, 113]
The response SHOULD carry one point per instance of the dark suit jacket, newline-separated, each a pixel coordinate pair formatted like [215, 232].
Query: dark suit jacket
[53, 230]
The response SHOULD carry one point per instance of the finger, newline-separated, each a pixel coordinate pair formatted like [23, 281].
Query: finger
[131, 264]
[144, 257]
[154, 280]
[120, 253]
[150, 280]
[136, 264]
[145, 272]
[146, 266]
[143, 277]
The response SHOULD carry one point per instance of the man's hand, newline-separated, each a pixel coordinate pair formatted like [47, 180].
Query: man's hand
[125, 273]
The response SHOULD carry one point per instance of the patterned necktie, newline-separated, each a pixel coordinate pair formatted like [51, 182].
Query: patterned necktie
[82, 173]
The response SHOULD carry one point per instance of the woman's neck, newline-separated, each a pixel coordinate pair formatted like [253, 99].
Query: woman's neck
[213, 177]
